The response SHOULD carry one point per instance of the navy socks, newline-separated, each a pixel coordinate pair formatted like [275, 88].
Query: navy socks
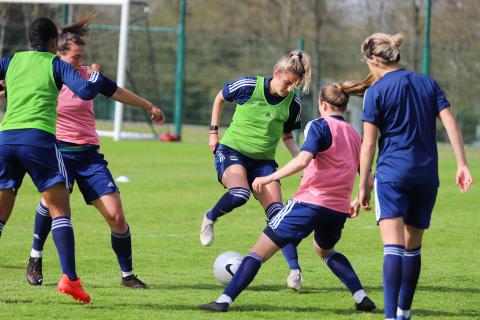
[244, 276]
[41, 229]
[234, 198]
[62, 234]
[392, 277]
[412, 262]
[342, 268]
[122, 245]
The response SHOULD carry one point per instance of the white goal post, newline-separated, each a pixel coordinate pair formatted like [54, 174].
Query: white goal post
[122, 46]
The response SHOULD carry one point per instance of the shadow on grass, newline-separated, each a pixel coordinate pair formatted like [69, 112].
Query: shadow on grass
[272, 288]
[446, 314]
[16, 301]
[16, 267]
[447, 289]
[239, 307]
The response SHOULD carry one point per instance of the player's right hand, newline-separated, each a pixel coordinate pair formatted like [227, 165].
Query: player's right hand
[259, 182]
[463, 179]
[213, 141]
[94, 68]
[157, 115]
[364, 198]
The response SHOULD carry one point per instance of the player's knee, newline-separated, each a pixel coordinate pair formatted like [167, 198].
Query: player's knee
[322, 253]
[239, 196]
[117, 221]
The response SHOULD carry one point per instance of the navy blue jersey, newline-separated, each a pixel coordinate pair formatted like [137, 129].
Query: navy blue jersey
[318, 136]
[63, 73]
[404, 106]
[240, 90]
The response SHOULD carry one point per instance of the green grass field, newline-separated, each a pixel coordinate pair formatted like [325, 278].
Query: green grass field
[171, 185]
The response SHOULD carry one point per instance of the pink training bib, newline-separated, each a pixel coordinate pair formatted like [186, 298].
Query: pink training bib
[328, 179]
[75, 117]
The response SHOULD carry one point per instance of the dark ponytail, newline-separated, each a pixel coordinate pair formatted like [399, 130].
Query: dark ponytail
[74, 33]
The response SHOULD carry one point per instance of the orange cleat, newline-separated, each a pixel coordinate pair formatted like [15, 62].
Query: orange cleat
[73, 288]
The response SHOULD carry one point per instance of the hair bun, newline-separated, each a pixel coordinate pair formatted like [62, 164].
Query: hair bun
[397, 39]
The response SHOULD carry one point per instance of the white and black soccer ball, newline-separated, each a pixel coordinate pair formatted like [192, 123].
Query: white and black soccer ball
[225, 266]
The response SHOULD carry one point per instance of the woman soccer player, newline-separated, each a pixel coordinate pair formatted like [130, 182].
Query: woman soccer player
[330, 157]
[27, 136]
[403, 105]
[80, 148]
[267, 110]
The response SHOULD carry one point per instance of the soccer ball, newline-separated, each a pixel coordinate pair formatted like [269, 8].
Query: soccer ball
[226, 265]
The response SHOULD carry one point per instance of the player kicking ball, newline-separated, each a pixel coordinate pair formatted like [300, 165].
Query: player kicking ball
[330, 156]
[267, 110]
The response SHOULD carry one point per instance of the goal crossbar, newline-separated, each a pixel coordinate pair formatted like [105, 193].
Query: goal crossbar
[122, 47]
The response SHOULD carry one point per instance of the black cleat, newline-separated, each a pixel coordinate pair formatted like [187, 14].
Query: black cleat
[367, 305]
[215, 306]
[34, 271]
[132, 281]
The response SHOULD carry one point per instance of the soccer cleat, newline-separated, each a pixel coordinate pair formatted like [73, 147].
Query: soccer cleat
[215, 306]
[367, 305]
[73, 288]
[206, 231]
[295, 280]
[132, 281]
[34, 271]
[403, 318]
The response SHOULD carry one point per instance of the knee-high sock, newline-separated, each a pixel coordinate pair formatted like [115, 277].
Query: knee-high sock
[412, 263]
[289, 250]
[122, 245]
[234, 198]
[342, 268]
[392, 277]
[2, 225]
[62, 234]
[41, 229]
[244, 276]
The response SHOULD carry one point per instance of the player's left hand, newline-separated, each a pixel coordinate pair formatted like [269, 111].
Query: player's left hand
[259, 182]
[354, 208]
[157, 115]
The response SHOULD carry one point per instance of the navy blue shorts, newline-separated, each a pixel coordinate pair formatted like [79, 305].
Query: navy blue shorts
[43, 164]
[89, 169]
[298, 219]
[413, 202]
[226, 156]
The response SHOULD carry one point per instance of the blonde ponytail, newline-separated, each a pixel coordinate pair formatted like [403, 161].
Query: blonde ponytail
[299, 63]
